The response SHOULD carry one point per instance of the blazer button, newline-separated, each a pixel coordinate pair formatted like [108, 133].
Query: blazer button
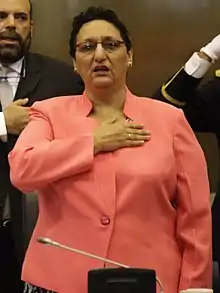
[105, 220]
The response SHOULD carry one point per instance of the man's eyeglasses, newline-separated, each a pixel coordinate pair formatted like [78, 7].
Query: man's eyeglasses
[90, 46]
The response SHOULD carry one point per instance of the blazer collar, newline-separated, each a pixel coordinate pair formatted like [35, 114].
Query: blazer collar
[131, 110]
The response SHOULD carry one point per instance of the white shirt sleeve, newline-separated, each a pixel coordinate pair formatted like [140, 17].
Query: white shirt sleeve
[196, 66]
[3, 129]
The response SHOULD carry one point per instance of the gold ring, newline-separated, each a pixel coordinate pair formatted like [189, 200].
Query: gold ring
[129, 135]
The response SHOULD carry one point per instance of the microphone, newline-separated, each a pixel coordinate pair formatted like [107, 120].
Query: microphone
[48, 241]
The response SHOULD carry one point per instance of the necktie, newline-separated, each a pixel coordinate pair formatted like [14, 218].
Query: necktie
[6, 91]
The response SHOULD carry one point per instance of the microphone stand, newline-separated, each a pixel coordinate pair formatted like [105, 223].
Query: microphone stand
[48, 241]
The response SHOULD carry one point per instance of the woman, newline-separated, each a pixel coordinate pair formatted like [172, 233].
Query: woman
[105, 185]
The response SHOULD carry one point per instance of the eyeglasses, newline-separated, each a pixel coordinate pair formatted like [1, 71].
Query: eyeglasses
[109, 46]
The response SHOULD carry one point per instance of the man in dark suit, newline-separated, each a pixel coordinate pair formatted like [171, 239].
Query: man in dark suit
[24, 79]
[201, 105]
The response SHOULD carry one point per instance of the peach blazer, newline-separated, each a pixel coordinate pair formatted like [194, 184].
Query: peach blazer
[146, 207]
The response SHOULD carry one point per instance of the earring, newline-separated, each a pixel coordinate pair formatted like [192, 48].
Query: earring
[75, 70]
[130, 63]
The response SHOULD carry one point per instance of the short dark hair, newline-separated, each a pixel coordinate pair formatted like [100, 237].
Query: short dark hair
[97, 13]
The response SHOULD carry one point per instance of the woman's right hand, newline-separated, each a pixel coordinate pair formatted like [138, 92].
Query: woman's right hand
[112, 135]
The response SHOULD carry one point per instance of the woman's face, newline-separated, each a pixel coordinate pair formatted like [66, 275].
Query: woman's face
[101, 59]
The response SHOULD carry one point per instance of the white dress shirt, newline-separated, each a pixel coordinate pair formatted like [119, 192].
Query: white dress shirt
[13, 79]
[197, 66]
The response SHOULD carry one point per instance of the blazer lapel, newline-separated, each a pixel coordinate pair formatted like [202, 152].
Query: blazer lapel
[28, 83]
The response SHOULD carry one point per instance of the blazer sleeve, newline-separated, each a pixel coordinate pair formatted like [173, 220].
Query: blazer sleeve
[178, 89]
[199, 103]
[38, 159]
[193, 227]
